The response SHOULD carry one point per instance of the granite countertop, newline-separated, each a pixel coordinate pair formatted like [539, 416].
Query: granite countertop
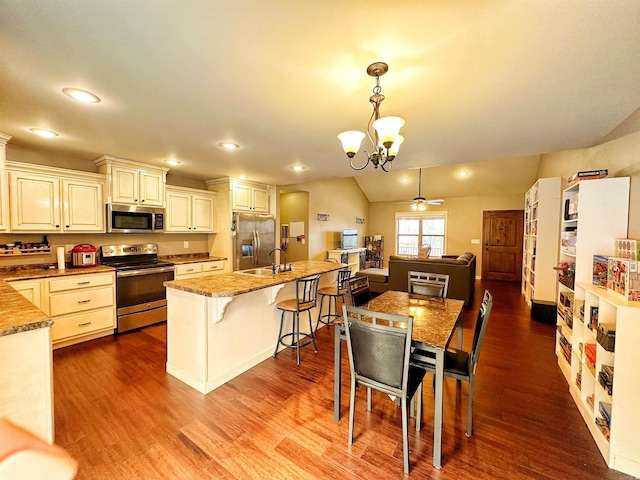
[236, 283]
[190, 258]
[17, 314]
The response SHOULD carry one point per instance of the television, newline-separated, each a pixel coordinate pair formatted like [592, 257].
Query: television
[348, 239]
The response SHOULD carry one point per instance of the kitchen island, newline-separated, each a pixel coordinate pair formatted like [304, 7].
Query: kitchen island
[220, 326]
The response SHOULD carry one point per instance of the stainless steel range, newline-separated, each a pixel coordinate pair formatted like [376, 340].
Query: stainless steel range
[140, 293]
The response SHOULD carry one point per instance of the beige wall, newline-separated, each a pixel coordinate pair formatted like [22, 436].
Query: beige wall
[343, 200]
[620, 156]
[464, 221]
[294, 207]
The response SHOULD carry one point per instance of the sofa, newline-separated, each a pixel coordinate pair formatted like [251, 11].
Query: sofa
[461, 270]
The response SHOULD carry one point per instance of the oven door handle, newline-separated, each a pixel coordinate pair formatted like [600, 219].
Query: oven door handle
[144, 271]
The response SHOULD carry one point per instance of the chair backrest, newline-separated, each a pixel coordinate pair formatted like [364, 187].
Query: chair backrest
[481, 327]
[341, 280]
[333, 260]
[358, 290]
[432, 284]
[379, 352]
[307, 292]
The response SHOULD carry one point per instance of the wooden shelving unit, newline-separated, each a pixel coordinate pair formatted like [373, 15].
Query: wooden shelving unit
[374, 255]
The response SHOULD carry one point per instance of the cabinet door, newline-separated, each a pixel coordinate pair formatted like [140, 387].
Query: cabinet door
[151, 189]
[260, 199]
[31, 290]
[82, 206]
[35, 202]
[241, 197]
[124, 185]
[203, 214]
[178, 216]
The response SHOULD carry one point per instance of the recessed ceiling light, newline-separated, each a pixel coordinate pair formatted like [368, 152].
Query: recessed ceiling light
[463, 173]
[173, 162]
[404, 180]
[81, 95]
[297, 168]
[229, 145]
[44, 133]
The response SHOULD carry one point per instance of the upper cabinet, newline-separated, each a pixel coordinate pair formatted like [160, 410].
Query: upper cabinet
[133, 183]
[190, 210]
[249, 197]
[47, 199]
[4, 188]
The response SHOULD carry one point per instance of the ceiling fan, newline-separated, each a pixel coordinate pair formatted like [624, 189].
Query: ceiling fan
[420, 203]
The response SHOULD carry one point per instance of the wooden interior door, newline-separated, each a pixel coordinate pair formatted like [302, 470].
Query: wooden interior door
[502, 245]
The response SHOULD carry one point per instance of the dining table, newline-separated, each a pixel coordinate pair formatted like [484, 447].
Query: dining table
[434, 321]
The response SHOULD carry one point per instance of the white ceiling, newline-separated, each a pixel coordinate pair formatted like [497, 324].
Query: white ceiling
[475, 80]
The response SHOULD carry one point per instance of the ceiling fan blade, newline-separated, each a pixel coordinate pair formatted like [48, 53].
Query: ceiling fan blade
[436, 201]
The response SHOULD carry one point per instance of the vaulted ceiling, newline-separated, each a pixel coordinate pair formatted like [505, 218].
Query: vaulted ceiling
[475, 80]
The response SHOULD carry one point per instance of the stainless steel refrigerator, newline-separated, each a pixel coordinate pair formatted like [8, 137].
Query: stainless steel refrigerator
[254, 236]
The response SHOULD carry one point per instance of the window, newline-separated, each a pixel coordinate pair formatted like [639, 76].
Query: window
[415, 230]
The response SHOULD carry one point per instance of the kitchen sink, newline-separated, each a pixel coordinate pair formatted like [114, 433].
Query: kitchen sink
[262, 271]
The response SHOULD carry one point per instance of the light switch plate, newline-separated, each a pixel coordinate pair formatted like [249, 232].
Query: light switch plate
[475, 241]
[186, 244]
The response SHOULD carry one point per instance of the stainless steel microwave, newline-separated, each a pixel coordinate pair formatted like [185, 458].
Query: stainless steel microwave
[134, 219]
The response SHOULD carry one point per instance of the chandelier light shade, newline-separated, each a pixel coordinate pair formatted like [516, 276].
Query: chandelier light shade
[351, 141]
[383, 132]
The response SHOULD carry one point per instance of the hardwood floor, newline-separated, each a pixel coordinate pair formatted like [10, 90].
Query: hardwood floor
[123, 417]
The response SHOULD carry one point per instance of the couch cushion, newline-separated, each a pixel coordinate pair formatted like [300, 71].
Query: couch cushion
[376, 275]
[466, 256]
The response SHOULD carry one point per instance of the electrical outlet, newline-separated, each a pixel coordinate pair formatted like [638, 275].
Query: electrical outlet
[186, 244]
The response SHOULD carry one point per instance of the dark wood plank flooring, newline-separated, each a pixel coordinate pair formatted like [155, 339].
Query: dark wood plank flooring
[123, 417]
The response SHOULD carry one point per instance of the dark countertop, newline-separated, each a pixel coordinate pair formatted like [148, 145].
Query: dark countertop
[236, 283]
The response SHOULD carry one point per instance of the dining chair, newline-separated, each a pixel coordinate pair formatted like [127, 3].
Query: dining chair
[379, 354]
[432, 284]
[459, 364]
[306, 295]
[358, 290]
[333, 292]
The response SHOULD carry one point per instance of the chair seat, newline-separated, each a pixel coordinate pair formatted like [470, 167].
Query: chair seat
[456, 362]
[333, 291]
[291, 306]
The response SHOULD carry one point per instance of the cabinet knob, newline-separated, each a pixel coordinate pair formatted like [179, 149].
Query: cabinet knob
[66, 226]
[142, 200]
[57, 226]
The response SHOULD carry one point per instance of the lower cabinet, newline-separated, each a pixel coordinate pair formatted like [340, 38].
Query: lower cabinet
[82, 307]
[198, 269]
[31, 290]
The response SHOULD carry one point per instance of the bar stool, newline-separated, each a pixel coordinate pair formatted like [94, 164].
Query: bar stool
[333, 292]
[306, 294]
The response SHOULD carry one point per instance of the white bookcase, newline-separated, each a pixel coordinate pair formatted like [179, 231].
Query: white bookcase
[542, 214]
[600, 208]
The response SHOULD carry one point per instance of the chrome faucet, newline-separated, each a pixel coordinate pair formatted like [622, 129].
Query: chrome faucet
[280, 268]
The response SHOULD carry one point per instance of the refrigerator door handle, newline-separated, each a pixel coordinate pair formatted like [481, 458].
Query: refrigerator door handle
[258, 249]
[253, 248]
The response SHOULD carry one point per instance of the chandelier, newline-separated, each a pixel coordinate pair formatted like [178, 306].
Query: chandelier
[420, 203]
[386, 138]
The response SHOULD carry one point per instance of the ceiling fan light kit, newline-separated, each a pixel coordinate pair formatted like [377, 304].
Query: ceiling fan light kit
[420, 203]
[384, 132]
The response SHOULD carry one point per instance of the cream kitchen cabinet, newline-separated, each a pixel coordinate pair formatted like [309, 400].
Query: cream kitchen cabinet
[30, 289]
[4, 187]
[198, 269]
[247, 197]
[82, 307]
[133, 183]
[46, 199]
[190, 210]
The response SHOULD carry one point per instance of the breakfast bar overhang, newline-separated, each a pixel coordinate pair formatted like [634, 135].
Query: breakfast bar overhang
[222, 325]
